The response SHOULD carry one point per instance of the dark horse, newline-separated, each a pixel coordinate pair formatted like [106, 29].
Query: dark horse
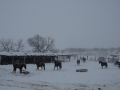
[78, 62]
[117, 63]
[42, 65]
[57, 64]
[19, 66]
[84, 59]
[103, 64]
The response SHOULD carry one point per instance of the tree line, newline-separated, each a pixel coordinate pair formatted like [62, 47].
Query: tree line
[42, 44]
[37, 42]
[93, 51]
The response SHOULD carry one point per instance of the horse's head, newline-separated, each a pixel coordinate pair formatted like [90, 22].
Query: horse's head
[36, 62]
[54, 61]
[100, 62]
[116, 62]
[24, 65]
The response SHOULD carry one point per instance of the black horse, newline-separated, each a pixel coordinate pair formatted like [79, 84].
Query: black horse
[19, 66]
[57, 64]
[42, 65]
[103, 64]
[78, 62]
[117, 63]
[84, 59]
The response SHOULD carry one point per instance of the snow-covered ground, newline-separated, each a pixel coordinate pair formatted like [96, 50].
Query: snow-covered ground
[65, 79]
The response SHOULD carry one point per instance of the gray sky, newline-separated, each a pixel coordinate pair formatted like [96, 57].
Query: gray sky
[72, 23]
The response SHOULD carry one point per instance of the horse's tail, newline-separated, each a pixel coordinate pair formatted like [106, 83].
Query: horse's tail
[106, 65]
[44, 66]
[13, 67]
[60, 65]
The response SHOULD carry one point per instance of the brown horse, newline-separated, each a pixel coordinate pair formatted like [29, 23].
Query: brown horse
[57, 64]
[42, 65]
[19, 66]
[78, 62]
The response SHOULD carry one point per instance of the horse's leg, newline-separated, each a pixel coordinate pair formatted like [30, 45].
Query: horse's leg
[24, 68]
[54, 67]
[119, 66]
[106, 65]
[37, 68]
[44, 66]
[59, 67]
[14, 70]
[102, 66]
[13, 67]
[41, 67]
[20, 70]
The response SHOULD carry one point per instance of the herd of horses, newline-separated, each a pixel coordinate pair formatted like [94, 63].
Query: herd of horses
[56, 64]
[38, 64]
[103, 63]
[117, 63]
[81, 59]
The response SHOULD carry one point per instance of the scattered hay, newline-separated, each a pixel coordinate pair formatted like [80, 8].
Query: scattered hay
[81, 70]
[25, 72]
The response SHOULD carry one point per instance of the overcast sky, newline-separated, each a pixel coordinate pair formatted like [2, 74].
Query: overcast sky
[72, 23]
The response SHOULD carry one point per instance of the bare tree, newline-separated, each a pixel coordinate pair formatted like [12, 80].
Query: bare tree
[7, 45]
[55, 50]
[41, 44]
[49, 44]
[19, 45]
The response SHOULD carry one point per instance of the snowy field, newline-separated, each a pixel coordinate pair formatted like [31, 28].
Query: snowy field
[65, 79]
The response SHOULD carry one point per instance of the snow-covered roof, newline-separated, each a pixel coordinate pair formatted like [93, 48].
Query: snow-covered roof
[31, 53]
